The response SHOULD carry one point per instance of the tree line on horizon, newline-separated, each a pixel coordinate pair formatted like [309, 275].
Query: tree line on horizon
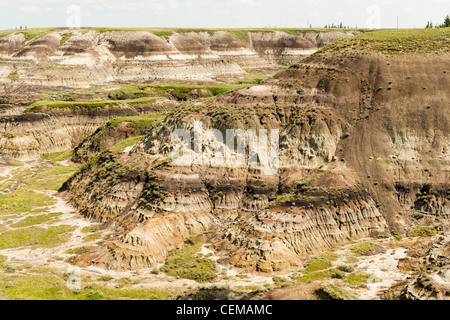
[446, 24]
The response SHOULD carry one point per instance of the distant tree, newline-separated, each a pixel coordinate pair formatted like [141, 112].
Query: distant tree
[447, 22]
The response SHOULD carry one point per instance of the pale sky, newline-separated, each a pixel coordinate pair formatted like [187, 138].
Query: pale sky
[221, 14]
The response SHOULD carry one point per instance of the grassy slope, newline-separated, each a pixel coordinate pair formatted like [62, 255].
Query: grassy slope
[393, 42]
[87, 104]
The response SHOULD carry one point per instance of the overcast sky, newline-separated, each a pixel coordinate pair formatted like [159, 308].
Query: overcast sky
[221, 14]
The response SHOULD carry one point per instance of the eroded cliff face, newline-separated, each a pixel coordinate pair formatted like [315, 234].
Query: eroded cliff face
[77, 58]
[258, 222]
[33, 133]
[363, 151]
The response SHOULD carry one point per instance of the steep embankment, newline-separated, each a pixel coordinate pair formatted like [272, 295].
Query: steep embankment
[363, 124]
[56, 127]
[59, 57]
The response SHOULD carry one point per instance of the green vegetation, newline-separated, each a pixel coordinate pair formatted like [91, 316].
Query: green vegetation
[188, 263]
[337, 293]
[276, 199]
[48, 284]
[92, 236]
[338, 274]
[393, 42]
[446, 23]
[75, 105]
[181, 91]
[13, 75]
[45, 177]
[305, 183]
[122, 145]
[22, 201]
[281, 282]
[33, 220]
[64, 37]
[358, 279]
[90, 229]
[422, 231]
[363, 248]
[27, 182]
[78, 251]
[58, 156]
[346, 268]
[324, 261]
[35, 237]
[137, 122]
[318, 268]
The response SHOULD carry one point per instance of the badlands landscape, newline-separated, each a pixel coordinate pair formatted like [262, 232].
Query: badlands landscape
[94, 205]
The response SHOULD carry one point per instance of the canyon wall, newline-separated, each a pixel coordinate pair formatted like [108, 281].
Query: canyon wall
[75, 58]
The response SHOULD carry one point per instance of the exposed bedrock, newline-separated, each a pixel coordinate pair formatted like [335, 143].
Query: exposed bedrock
[364, 140]
[77, 58]
[265, 223]
[33, 133]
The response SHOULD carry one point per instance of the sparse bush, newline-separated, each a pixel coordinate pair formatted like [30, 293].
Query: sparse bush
[363, 248]
[338, 274]
[106, 277]
[422, 231]
[346, 268]
[187, 263]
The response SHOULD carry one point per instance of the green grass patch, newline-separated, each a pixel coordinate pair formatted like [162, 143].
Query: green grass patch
[76, 105]
[92, 236]
[3, 259]
[48, 284]
[337, 293]
[422, 231]
[15, 163]
[137, 122]
[122, 145]
[188, 263]
[65, 37]
[280, 281]
[181, 91]
[58, 156]
[48, 178]
[393, 42]
[277, 200]
[35, 237]
[356, 279]
[89, 229]
[363, 248]
[23, 201]
[78, 251]
[318, 268]
[33, 220]
[321, 262]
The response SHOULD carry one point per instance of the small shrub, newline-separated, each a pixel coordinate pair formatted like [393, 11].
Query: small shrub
[363, 248]
[346, 268]
[338, 274]
[422, 231]
[106, 277]
[336, 293]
